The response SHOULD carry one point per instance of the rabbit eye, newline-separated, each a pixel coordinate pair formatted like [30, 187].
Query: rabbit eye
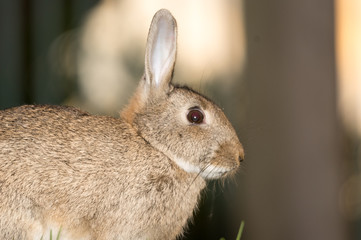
[195, 116]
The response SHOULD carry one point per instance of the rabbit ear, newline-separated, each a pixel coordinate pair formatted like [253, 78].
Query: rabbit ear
[161, 51]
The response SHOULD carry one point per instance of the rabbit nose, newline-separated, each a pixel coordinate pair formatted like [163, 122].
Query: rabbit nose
[241, 154]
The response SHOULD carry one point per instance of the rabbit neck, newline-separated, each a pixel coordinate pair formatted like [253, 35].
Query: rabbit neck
[135, 104]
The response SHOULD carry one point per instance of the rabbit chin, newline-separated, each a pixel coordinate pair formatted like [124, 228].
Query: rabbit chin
[210, 171]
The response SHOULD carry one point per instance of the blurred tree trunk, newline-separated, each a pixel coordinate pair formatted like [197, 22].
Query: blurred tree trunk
[294, 148]
[29, 30]
[11, 61]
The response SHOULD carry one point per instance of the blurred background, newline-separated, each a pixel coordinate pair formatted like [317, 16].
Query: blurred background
[286, 73]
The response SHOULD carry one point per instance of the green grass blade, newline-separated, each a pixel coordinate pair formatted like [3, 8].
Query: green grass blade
[58, 236]
[239, 235]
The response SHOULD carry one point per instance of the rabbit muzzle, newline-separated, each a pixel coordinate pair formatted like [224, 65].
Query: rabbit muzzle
[226, 160]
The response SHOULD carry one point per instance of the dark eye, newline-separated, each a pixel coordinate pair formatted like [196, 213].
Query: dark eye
[195, 116]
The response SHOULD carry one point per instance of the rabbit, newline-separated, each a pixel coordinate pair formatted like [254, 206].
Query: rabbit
[138, 176]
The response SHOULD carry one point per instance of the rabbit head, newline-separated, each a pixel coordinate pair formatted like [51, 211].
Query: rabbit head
[184, 125]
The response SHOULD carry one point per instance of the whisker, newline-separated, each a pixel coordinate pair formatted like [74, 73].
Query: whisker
[211, 171]
[221, 184]
[194, 179]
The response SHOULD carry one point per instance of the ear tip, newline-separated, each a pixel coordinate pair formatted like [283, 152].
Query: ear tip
[163, 14]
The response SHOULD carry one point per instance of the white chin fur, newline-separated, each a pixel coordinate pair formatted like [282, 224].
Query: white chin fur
[213, 172]
[210, 172]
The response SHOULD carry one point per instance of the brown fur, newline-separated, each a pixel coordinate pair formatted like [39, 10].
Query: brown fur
[99, 177]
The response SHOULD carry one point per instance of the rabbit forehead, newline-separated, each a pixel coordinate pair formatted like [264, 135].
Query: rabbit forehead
[184, 96]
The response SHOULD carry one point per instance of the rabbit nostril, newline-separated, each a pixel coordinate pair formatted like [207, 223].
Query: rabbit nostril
[241, 159]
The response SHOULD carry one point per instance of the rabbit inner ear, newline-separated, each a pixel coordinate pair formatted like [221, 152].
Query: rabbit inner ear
[161, 49]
